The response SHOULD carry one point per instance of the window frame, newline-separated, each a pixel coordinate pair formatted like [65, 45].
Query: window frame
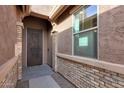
[85, 30]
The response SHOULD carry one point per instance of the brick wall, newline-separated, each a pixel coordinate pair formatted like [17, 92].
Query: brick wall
[18, 47]
[83, 75]
[9, 73]
[11, 79]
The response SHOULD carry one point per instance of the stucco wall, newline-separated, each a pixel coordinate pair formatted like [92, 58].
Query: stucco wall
[65, 41]
[110, 48]
[42, 9]
[64, 24]
[111, 34]
[64, 35]
[36, 23]
[7, 32]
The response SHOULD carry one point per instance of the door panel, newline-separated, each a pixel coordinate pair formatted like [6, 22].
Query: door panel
[34, 47]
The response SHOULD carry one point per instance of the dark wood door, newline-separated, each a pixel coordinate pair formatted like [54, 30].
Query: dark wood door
[34, 47]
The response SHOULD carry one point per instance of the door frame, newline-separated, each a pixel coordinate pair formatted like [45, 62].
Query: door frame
[42, 45]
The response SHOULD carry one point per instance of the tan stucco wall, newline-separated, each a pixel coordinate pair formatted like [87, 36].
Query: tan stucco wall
[62, 40]
[42, 9]
[36, 23]
[110, 30]
[96, 73]
[7, 32]
[64, 35]
[65, 24]
[111, 33]
[65, 41]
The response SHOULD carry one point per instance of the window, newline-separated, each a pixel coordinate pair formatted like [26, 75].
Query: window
[85, 31]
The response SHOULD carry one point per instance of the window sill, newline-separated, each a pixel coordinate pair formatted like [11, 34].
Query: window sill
[118, 68]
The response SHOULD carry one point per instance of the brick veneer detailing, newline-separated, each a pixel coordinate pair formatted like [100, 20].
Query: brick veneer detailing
[83, 75]
[16, 72]
[11, 77]
[18, 48]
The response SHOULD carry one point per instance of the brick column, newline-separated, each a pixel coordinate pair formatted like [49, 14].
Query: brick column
[54, 47]
[18, 48]
[54, 51]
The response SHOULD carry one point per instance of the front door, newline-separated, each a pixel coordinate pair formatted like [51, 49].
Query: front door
[34, 47]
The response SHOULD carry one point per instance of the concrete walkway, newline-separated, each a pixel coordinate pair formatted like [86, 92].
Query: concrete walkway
[36, 71]
[42, 77]
[43, 82]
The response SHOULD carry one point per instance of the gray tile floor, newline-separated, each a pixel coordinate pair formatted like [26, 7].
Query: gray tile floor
[42, 77]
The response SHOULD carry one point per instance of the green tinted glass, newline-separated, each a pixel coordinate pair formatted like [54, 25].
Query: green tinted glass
[85, 44]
